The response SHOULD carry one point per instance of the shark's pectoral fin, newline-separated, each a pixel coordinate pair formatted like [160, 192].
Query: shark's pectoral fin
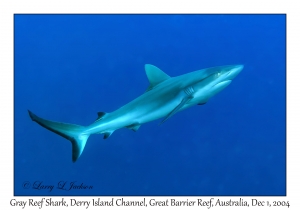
[134, 127]
[155, 75]
[177, 108]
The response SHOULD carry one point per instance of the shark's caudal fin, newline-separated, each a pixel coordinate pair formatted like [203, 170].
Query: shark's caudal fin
[72, 132]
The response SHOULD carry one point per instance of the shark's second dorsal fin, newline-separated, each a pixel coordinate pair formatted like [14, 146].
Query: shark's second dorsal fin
[101, 115]
[155, 75]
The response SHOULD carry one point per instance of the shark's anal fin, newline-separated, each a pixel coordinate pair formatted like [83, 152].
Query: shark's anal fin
[134, 127]
[107, 134]
[177, 108]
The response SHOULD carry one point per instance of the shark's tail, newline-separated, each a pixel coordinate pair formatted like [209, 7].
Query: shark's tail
[74, 133]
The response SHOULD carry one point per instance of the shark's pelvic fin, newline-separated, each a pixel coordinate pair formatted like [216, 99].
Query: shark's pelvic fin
[134, 127]
[202, 103]
[74, 133]
[155, 75]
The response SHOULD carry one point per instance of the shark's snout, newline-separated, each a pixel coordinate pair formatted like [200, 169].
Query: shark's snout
[234, 71]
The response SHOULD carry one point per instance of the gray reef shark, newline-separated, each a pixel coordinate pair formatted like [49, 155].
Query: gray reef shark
[164, 97]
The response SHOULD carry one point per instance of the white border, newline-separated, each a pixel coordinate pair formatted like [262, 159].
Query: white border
[8, 8]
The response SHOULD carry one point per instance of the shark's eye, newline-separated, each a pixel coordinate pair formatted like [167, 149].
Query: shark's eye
[218, 74]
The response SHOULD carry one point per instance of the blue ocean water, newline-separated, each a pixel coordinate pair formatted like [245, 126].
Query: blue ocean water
[69, 67]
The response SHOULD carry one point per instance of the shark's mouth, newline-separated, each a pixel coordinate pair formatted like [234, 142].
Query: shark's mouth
[222, 84]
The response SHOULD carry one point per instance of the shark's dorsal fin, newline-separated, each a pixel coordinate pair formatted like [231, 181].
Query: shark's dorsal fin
[155, 75]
